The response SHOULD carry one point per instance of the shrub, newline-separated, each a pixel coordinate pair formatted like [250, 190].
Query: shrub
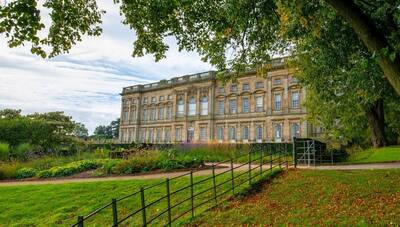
[4, 151]
[9, 170]
[25, 173]
[102, 153]
[21, 151]
[136, 165]
[71, 168]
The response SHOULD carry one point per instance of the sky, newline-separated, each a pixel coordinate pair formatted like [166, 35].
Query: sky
[86, 82]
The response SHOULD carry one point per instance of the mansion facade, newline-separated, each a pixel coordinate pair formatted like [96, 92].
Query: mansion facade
[198, 108]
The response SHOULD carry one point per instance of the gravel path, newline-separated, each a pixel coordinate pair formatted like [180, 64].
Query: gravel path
[392, 165]
[219, 169]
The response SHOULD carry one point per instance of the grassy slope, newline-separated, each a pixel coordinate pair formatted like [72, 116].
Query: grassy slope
[311, 197]
[50, 205]
[385, 154]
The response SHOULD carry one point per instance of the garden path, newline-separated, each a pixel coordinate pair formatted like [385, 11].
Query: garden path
[222, 167]
[390, 165]
[146, 176]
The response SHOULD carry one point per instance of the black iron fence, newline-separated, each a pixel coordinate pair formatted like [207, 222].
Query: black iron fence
[176, 200]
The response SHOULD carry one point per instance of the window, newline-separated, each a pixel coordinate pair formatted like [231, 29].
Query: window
[134, 101]
[278, 101]
[159, 135]
[161, 113]
[295, 99]
[233, 88]
[204, 105]
[133, 114]
[143, 135]
[277, 82]
[153, 99]
[178, 134]
[293, 80]
[221, 90]
[169, 112]
[259, 133]
[167, 135]
[278, 132]
[220, 133]
[153, 114]
[126, 116]
[295, 130]
[232, 106]
[192, 106]
[221, 107]
[145, 100]
[259, 104]
[245, 133]
[150, 136]
[259, 85]
[246, 87]
[161, 98]
[232, 133]
[181, 107]
[246, 105]
[203, 133]
[169, 97]
[144, 115]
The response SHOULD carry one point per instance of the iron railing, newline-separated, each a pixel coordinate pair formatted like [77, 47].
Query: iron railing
[182, 197]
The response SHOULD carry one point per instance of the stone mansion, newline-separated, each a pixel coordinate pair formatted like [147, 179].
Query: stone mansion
[198, 108]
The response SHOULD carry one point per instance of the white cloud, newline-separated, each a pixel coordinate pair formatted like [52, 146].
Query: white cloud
[86, 82]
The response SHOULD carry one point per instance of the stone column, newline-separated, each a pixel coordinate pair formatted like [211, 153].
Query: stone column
[211, 109]
[285, 96]
[269, 96]
[252, 133]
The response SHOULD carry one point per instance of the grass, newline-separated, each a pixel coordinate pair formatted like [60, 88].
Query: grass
[312, 197]
[60, 204]
[371, 155]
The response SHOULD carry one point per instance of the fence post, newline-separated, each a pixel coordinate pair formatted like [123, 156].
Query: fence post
[270, 158]
[214, 184]
[168, 202]
[80, 221]
[249, 168]
[143, 206]
[114, 211]
[279, 155]
[261, 163]
[192, 192]
[294, 153]
[233, 178]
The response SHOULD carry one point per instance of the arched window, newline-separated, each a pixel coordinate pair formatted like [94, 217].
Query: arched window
[204, 105]
[181, 107]
[192, 106]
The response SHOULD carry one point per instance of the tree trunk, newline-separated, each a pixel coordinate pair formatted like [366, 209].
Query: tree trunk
[372, 38]
[376, 121]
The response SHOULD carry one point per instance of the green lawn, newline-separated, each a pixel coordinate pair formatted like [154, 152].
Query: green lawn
[312, 197]
[384, 154]
[60, 204]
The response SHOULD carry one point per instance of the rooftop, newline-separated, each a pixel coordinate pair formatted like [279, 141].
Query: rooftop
[274, 64]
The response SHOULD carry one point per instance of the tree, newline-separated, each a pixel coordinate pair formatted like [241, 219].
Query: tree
[80, 131]
[10, 114]
[352, 91]
[103, 132]
[115, 127]
[249, 31]
[107, 131]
